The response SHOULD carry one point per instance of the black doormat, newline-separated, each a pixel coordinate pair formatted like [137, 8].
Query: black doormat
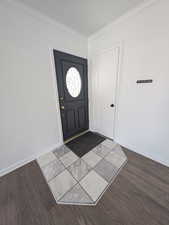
[83, 144]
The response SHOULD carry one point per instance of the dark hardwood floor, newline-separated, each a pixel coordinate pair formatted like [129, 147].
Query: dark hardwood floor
[139, 196]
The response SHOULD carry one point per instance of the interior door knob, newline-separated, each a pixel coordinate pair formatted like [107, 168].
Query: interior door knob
[112, 105]
[62, 107]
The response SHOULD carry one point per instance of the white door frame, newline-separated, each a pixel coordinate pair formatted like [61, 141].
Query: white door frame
[118, 45]
[56, 96]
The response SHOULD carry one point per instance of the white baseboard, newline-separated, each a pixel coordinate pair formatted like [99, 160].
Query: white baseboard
[153, 157]
[27, 160]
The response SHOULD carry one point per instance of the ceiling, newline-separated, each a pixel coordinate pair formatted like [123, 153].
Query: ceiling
[84, 16]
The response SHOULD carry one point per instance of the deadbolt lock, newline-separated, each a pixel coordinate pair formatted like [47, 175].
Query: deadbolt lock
[61, 98]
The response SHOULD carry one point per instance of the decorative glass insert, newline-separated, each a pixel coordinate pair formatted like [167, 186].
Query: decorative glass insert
[73, 82]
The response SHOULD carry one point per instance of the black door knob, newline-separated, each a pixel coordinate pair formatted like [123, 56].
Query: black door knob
[112, 105]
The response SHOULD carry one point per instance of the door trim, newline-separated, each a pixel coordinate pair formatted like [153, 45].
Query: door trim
[97, 52]
[56, 97]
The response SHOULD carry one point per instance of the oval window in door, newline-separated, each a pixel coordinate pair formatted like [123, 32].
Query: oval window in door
[73, 82]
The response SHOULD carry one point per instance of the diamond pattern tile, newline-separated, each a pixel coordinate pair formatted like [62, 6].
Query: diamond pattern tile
[61, 184]
[79, 169]
[59, 152]
[83, 181]
[116, 159]
[109, 144]
[46, 159]
[68, 159]
[52, 169]
[91, 158]
[94, 184]
[106, 170]
[101, 150]
[77, 195]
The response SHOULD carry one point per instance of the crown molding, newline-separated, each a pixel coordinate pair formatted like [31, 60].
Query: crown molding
[39, 16]
[122, 18]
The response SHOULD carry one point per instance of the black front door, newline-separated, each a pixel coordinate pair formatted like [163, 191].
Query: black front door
[72, 82]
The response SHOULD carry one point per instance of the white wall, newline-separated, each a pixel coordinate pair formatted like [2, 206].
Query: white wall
[29, 114]
[143, 124]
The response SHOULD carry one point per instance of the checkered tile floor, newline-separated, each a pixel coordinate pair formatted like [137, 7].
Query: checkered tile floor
[82, 181]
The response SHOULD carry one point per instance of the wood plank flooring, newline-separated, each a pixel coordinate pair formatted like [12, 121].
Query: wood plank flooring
[139, 196]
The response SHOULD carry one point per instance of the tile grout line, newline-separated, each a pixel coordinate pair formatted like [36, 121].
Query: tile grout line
[111, 181]
[108, 182]
[65, 169]
[72, 176]
[78, 181]
[57, 158]
[49, 164]
[72, 152]
[46, 164]
[108, 152]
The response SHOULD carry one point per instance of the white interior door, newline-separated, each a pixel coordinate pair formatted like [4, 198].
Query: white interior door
[106, 65]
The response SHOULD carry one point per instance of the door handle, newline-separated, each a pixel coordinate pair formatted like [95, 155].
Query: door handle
[62, 107]
[112, 105]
